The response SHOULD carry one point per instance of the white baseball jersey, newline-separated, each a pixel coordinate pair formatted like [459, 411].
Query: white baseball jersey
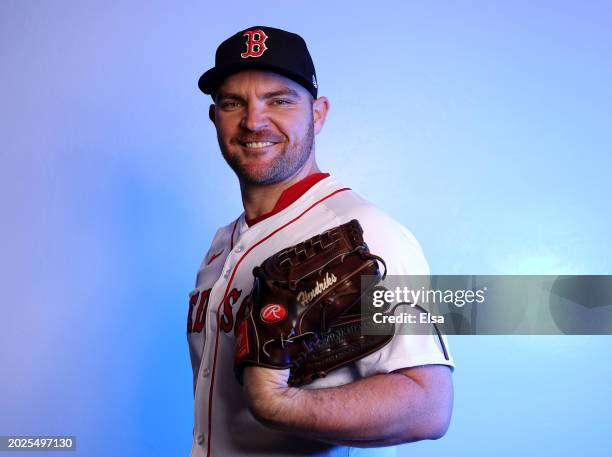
[223, 425]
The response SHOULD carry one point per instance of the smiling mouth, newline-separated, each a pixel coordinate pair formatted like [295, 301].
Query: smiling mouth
[258, 144]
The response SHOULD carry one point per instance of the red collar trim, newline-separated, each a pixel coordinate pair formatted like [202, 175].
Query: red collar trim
[289, 195]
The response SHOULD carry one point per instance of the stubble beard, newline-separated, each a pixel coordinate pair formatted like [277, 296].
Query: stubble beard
[285, 165]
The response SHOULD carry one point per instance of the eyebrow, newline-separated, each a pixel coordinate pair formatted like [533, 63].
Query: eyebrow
[281, 92]
[285, 91]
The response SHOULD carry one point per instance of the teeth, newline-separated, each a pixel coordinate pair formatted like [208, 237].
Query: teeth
[259, 144]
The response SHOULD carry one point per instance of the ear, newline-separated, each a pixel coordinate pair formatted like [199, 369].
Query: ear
[211, 112]
[320, 107]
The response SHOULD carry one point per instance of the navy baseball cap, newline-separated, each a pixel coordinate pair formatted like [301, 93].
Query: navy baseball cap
[262, 48]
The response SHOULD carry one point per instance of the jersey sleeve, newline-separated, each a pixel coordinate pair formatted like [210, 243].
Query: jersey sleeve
[403, 256]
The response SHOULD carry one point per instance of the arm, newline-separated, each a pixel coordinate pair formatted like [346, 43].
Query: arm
[406, 405]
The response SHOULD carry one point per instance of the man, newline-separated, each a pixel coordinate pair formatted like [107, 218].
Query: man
[266, 114]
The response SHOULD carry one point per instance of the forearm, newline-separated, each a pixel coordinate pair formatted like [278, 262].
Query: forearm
[375, 411]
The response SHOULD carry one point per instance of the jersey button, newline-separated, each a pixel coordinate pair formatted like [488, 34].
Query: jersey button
[200, 439]
[239, 249]
[205, 372]
[227, 273]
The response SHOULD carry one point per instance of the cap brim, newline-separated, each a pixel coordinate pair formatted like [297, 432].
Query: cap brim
[210, 80]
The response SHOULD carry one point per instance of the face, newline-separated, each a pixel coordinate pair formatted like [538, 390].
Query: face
[266, 125]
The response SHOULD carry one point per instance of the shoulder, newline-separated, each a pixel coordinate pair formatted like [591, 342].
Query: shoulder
[384, 235]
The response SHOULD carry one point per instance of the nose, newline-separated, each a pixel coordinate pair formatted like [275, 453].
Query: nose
[254, 118]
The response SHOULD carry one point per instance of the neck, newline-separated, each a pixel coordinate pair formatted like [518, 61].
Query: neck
[260, 199]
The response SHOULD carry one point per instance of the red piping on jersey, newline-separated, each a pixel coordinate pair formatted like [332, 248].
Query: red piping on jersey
[289, 195]
[212, 376]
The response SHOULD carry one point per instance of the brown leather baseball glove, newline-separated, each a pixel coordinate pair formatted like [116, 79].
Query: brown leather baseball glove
[304, 311]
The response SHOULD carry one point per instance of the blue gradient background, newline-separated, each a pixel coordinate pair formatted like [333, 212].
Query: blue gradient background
[483, 126]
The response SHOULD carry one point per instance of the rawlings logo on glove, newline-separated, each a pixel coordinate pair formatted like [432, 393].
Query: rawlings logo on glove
[273, 313]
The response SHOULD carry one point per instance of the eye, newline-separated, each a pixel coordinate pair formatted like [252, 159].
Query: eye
[281, 101]
[230, 104]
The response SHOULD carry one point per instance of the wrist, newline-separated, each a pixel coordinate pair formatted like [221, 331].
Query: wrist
[269, 398]
[277, 407]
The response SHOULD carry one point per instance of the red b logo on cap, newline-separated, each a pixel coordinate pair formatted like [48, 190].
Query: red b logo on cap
[273, 313]
[256, 43]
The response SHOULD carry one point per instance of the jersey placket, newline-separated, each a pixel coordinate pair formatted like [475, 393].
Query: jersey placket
[221, 287]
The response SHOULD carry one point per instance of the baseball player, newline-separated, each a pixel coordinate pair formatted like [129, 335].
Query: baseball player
[266, 113]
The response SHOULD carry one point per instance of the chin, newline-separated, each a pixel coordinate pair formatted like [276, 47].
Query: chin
[254, 175]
